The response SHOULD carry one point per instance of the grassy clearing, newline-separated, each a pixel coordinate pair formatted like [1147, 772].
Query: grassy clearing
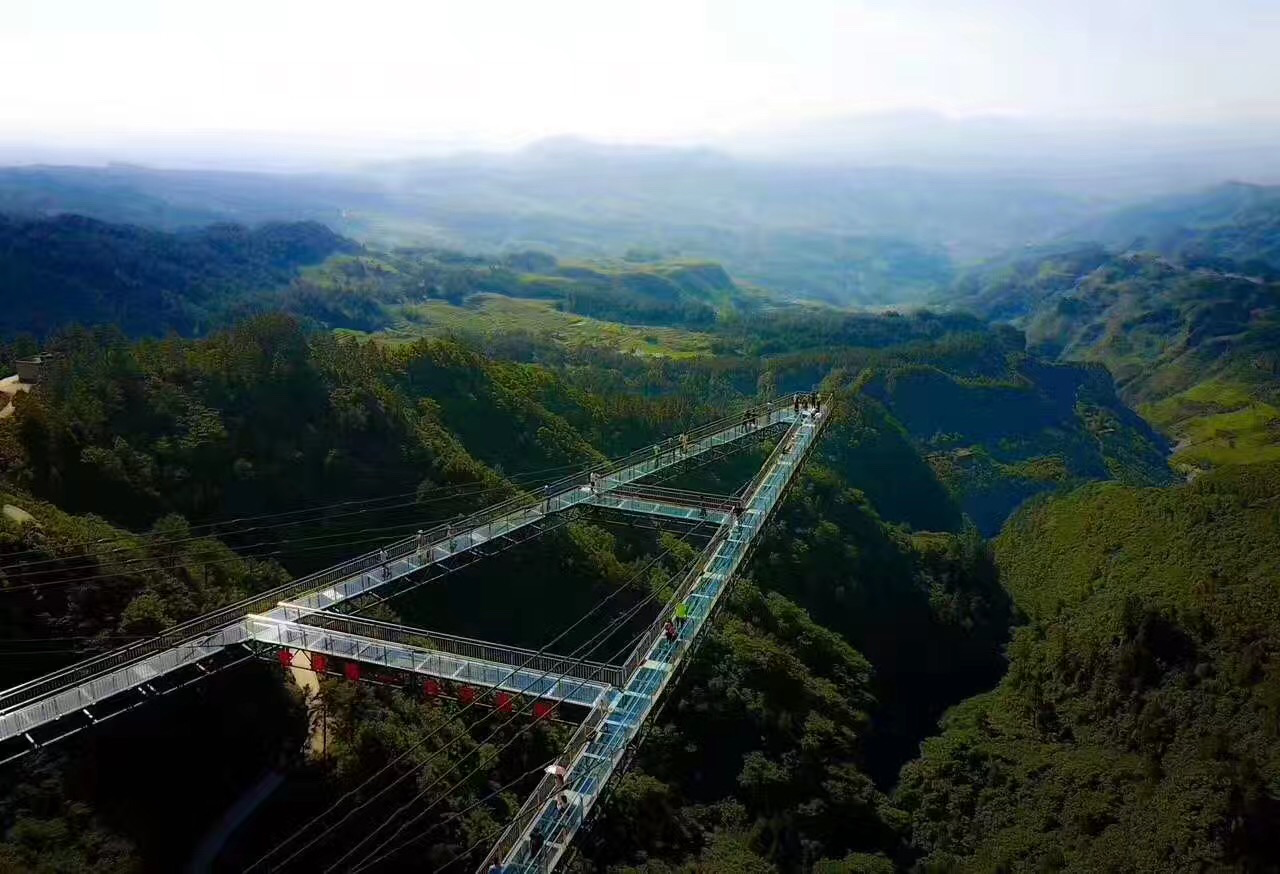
[1207, 398]
[1244, 436]
[1218, 422]
[491, 314]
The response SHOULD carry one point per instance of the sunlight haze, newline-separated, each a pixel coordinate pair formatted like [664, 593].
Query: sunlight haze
[499, 73]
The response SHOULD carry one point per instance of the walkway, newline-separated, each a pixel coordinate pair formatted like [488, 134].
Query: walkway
[598, 746]
[69, 693]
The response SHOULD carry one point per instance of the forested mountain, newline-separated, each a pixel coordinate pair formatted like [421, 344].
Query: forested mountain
[994, 425]
[883, 628]
[1136, 729]
[1193, 347]
[1233, 226]
[1131, 724]
[71, 269]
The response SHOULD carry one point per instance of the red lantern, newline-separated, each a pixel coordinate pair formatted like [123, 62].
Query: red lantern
[353, 672]
[431, 688]
[286, 657]
[319, 662]
[466, 694]
[503, 702]
[543, 709]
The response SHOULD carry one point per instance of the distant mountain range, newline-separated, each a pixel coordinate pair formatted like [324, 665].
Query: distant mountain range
[1235, 225]
[846, 235]
[1183, 309]
[1099, 158]
[828, 230]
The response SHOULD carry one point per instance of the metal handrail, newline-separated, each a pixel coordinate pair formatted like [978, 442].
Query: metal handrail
[546, 789]
[191, 631]
[765, 488]
[469, 648]
[670, 496]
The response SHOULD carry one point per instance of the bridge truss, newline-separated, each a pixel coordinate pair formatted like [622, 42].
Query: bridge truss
[313, 615]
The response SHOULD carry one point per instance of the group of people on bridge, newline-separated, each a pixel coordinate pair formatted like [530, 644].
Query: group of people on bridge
[810, 401]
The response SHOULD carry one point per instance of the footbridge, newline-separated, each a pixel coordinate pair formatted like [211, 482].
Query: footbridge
[48, 707]
[536, 840]
[314, 618]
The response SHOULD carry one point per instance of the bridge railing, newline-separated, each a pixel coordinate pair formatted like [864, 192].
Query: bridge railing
[546, 789]
[484, 520]
[722, 557]
[65, 699]
[679, 497]
[691, 578]
[192, 631]
[464, 647]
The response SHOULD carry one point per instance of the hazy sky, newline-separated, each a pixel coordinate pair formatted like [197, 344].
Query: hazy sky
[491, 70]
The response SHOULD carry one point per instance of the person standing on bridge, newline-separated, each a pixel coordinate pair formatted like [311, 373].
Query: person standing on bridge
[684, 444]
[546, 497]
[795, 404]
[559, 772]
[386, 568]
[669, 631]
[422, 543]
[817, 402]
[682, 613]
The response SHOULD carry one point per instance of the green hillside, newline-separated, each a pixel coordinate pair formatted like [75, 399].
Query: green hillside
[71, 269]
[158, 435]
[75, 270]
[872, 605]
[1194, 349]
[1136, 728]
[1234, 226]
[995, 440]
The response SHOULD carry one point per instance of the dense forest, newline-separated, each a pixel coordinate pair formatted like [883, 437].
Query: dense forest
[1092, 688]
[70, 269]
[1136, 728]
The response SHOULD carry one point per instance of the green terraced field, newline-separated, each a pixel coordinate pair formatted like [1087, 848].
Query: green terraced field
[488, 315]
